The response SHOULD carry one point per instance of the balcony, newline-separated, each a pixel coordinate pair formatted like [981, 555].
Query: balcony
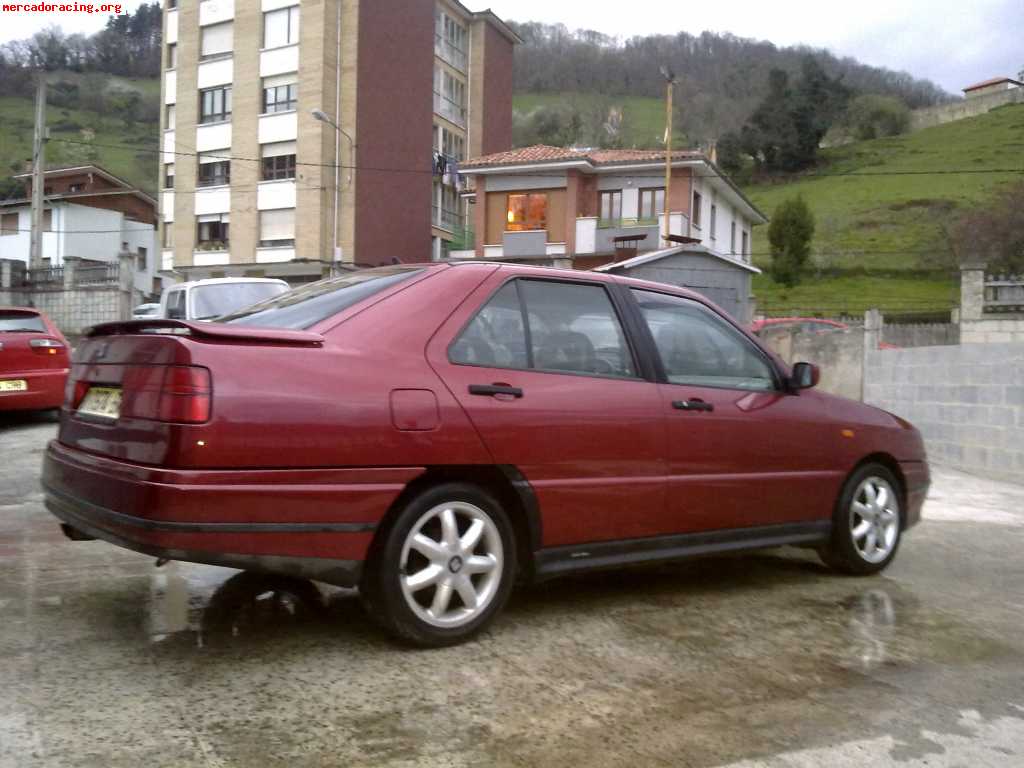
[449, 110]
[451, 54]
[451, 221]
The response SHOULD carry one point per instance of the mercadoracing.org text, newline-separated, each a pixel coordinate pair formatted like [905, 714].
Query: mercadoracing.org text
[115, 8]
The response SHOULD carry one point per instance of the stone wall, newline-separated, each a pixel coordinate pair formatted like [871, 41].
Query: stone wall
[72, 305]
[977, 324]
[968, 402]
[839, 355]
[958, 110]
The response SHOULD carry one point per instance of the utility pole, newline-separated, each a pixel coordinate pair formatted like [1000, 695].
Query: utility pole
[35, 259]
[670, 82]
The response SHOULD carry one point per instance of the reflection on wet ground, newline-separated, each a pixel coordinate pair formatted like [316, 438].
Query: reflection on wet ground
[764, 659]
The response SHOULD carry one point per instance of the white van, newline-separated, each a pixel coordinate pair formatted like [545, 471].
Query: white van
[207, 299]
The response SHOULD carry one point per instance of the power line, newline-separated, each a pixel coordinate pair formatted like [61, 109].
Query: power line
[431, 171]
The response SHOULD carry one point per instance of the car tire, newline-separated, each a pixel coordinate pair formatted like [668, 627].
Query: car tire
[443, 568]
[867, 522]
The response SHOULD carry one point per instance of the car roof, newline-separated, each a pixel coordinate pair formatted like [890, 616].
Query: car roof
[598, 277]
[223, 280]
[25, 310]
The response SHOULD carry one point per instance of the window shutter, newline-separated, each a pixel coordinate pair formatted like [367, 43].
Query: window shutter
[217, 38]
[277, 225]
[278, 148]
[215, 156]
[288, 79]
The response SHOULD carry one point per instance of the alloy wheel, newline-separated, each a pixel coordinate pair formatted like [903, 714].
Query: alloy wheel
[451, 564]
[874, 519]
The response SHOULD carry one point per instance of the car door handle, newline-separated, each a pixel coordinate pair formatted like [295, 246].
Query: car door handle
[694, 404]
[490, 390]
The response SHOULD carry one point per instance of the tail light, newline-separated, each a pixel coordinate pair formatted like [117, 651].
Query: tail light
[46, 346]
[74, 392]
[185, 395]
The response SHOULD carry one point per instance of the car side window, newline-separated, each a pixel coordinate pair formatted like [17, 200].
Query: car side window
[699, 348]
[496, 337]
[570, 328]
[176, 305]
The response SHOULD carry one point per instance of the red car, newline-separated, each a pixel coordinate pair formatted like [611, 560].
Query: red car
[432, 433]
[34, 361]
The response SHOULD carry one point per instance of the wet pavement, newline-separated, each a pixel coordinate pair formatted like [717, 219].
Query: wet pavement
[756, 660]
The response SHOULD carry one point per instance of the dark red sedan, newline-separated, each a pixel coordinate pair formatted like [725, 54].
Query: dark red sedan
[34, 361]
[431, 433]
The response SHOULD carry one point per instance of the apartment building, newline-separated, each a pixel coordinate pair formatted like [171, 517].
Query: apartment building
[298, 136]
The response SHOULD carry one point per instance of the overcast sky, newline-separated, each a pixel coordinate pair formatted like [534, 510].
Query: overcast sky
[952, 42]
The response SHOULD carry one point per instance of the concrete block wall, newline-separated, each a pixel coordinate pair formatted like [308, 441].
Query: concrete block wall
[968, 402]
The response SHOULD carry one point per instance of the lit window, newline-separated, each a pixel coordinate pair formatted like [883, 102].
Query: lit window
[527, 212]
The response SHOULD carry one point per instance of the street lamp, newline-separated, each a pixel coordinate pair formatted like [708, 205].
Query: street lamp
[319, 114]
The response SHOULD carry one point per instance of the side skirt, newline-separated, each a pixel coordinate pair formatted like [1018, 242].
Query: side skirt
[557, 561]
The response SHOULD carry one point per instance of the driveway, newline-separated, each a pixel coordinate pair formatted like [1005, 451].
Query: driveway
[763, 659]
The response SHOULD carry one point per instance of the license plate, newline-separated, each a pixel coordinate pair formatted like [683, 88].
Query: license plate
[101, 401]
[15, 385]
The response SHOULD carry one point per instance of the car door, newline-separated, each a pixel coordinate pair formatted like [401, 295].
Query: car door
[743, 451]
[546, 373]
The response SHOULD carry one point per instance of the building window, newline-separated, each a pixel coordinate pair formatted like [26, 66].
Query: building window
[48, 220]
[695, 214]
[168, 234]
[611, 207]
[732, 237]
[652, 203]
[450, 144]
[172, 55]
[168, 175]
[212, 232]
[213, 169]
[169, 116]
[142, 261]
[73, 188]
[277, 228]
[450, 40]
[216, 40]
[278, 161]
[527, 212]
[280, 94]
[9, 224]
[746, 245]
[215, 105]
[449, 96]
[281, 27]
[172, 4]
[446, 208]
[714, 221]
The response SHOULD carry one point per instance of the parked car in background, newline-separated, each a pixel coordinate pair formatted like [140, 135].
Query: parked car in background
[144, 311]
[34, 361]
[207, 299]
[432, 433]
[805, 325]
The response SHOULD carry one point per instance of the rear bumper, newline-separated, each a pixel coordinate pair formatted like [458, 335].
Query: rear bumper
[315, 524]
[918, 479]
[45, 390]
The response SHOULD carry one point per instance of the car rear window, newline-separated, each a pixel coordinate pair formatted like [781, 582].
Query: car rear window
[21, 321]
[306, 306]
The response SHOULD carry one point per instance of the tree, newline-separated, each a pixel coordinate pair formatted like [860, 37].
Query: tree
[730, 153]
[872, 116]
[789, 238]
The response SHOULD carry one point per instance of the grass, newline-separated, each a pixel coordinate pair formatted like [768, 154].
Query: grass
[892, 222]
[130, 159]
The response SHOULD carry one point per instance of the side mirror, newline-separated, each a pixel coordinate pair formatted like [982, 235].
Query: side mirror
[804, 376]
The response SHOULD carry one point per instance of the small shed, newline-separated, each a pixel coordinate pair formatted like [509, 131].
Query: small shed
[723, 280]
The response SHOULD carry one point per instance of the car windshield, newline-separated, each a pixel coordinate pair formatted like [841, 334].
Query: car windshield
[21, 321]
[210, 301]
[308, 305]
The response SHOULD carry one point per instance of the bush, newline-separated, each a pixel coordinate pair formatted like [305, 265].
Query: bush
[872, 117]
[789, 238]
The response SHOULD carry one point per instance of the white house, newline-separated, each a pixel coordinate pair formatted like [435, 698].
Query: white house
[88, 213]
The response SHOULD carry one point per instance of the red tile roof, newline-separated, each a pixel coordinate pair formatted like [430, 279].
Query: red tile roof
[992, 81]
[542, 153]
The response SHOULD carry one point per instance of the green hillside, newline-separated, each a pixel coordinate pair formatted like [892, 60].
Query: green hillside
[92, 129]
[870, 223]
